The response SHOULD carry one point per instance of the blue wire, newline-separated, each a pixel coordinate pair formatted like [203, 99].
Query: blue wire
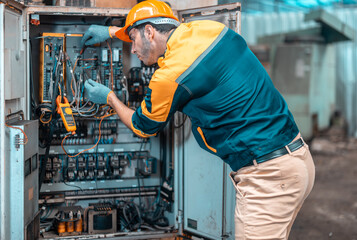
[54, 69]
[47, 214]
[82, 86]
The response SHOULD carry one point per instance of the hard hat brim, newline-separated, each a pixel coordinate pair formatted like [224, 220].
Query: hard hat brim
[122, 35]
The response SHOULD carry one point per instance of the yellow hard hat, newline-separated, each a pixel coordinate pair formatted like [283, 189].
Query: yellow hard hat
[153, 11]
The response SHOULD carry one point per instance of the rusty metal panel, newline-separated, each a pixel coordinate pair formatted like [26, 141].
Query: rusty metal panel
[78, 11]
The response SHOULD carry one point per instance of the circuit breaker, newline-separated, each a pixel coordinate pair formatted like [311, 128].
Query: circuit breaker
[98, 179]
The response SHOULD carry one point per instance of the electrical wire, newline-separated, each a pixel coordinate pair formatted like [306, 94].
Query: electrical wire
[73, 186]
[45, 112]
[41, 118]
[108, 115]
[181, 124]
[89, 59]
[131, 213]
[77, 91]
[20, 141]
[84, 149]
[48, 211]
[72, 74]
[82, 111]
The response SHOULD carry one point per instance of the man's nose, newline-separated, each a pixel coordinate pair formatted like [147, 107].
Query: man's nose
[133, 51]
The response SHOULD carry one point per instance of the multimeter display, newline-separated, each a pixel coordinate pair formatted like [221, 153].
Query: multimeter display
[66, 113]
[67, 118]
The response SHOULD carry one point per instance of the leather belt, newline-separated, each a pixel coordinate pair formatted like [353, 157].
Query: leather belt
[280, 152]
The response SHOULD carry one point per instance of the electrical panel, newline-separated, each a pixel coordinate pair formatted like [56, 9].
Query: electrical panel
[97, 177]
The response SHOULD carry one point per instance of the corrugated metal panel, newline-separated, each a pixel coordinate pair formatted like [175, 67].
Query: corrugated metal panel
[347, 72]
[254, 26]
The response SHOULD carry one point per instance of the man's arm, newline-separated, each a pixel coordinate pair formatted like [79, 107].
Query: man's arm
[125, 114]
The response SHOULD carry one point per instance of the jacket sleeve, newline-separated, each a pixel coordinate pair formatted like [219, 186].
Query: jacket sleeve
[163, 98]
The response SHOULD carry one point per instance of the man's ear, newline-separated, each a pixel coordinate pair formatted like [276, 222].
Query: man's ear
[149, 32]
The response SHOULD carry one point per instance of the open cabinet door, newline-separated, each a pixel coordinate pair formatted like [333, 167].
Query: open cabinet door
[208, 197]
[13, 87]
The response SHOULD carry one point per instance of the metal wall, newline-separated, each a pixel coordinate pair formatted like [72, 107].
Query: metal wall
[254, 26]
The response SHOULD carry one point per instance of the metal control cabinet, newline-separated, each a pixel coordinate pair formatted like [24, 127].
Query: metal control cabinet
[207, 211]
[203, 197]
[23, 176]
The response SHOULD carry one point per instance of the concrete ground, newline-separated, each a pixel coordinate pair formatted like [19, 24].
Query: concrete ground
[330, 212]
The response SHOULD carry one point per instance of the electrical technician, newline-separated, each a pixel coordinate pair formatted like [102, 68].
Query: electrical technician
[208, 72]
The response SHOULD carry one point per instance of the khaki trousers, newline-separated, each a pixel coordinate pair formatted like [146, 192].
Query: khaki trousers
[270, 194]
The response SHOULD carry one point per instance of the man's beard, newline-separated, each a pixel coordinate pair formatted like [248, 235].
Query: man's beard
[146, 48]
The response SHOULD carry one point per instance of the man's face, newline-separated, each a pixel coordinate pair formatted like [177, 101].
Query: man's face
[142, 47]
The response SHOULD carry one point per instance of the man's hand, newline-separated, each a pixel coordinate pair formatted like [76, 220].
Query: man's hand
[96, 92]
[95, 34]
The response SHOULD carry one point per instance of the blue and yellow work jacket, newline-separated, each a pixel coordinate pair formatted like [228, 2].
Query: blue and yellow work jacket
[209, 73]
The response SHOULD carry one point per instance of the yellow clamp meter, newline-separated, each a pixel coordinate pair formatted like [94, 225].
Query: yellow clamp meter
[66, 114]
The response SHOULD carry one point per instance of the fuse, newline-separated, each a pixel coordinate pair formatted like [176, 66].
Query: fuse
[104, 55]
[116, 55]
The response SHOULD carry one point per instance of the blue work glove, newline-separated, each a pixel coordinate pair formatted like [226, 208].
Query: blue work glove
[95, 34]
[96, 92]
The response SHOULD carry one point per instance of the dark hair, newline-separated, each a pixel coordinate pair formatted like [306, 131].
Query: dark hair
[162, 28]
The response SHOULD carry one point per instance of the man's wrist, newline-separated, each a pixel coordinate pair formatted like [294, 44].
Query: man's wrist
[112, 30]
[110, 98]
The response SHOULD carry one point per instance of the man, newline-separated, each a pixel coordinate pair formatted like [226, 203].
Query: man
[207, 71]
